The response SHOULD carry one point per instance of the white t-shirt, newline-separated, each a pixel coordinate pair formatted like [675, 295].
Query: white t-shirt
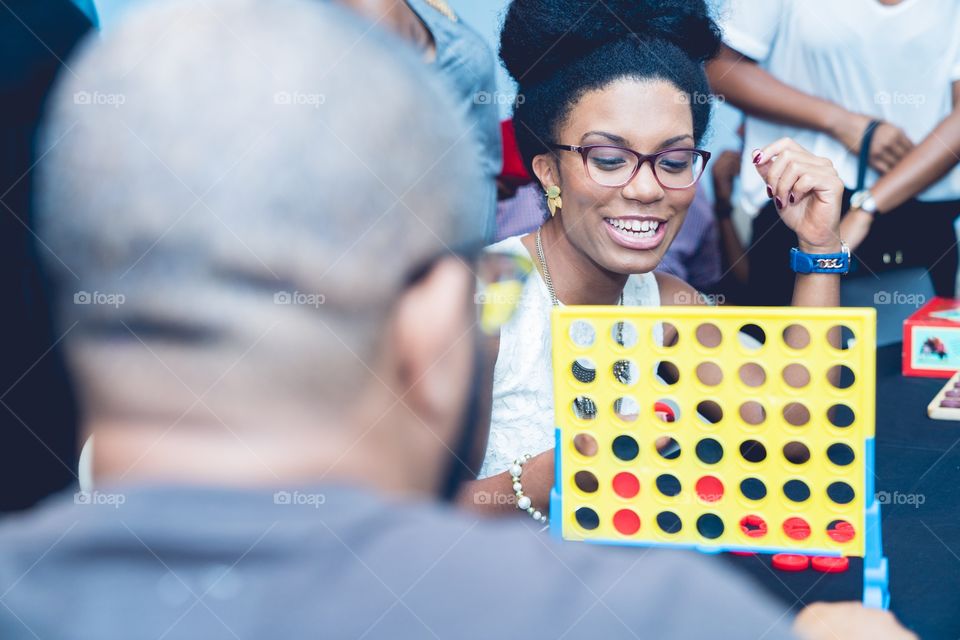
[895, 63]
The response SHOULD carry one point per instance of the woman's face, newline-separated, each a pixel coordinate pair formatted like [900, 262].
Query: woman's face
[646, 116]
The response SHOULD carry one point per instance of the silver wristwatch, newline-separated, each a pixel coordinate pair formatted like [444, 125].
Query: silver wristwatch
[864, 201]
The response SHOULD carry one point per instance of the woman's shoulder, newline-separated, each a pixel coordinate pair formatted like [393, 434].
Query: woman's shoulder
[511, 246]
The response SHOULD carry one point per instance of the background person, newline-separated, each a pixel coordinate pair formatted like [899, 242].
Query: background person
[820, 71]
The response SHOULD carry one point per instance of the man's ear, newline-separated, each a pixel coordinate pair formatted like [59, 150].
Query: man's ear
[546, 170]
[433, 332]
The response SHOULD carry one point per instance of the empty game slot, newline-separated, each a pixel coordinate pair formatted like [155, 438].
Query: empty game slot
[752, 412]
[669, 485]
[666, 373]
[668, 448]
[796, 375]
[710, 526]
[710, 411]
[587, 518]
[840, 454]
[669, 522]
[796, 336]
[840, 415]
[709, 335]
[841, 376]
[626, 408]
[796, 490]
[625, 448]
[625, 372]
[586, 481]
[709, 373]
[796, 452]
[671, 336]
[709, 451]
[584, 370]
[841, 337]
[752, 374]
[841, 492]
[753, 489]
[753, 451]
[752, 337]
[585, 445]
[584, 408]
[624, 333]
[582, 333]
[796, 414]
[666, 410]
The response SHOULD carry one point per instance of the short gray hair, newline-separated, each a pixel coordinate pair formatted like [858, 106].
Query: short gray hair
[212, 169]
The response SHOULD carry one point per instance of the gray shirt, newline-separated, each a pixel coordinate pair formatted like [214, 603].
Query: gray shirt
[331, 562]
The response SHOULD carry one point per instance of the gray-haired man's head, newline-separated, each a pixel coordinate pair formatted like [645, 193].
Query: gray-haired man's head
[232, 197]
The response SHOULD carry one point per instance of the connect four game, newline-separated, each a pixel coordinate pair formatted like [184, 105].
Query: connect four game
[719, 429]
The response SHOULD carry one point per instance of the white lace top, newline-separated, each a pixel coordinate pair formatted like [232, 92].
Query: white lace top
[522, 413]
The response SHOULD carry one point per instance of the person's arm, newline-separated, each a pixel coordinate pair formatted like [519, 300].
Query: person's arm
[929, 161]
[755, 91]
[495, 496]
[849, 620]
[808, 194]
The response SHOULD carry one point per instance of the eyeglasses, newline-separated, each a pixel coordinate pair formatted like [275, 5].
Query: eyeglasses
[612, 166]
[500, 278]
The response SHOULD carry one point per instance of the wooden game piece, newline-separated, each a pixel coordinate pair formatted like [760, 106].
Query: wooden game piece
[946, 404]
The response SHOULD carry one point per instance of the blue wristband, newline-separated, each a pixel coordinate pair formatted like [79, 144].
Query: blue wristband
[838, 263]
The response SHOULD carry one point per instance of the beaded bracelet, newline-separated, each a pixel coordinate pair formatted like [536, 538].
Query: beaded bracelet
[523, 502]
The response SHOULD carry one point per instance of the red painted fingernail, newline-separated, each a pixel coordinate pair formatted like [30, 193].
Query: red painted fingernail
[778, 202]
[792, 198]
[757, 157]
[769, 192]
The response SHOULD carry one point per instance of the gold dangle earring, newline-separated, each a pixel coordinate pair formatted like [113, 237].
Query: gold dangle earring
[553, 199]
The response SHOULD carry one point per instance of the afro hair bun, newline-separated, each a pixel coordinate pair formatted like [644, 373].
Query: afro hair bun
[541, 37]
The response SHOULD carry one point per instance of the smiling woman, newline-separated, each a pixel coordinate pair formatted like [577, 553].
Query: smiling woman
[614, 108]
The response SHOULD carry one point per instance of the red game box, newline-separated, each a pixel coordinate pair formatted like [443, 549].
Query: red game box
[931, 340]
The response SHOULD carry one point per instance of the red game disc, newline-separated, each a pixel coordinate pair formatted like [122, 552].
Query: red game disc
[796, 528]
[790, 562]
[830, 564]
